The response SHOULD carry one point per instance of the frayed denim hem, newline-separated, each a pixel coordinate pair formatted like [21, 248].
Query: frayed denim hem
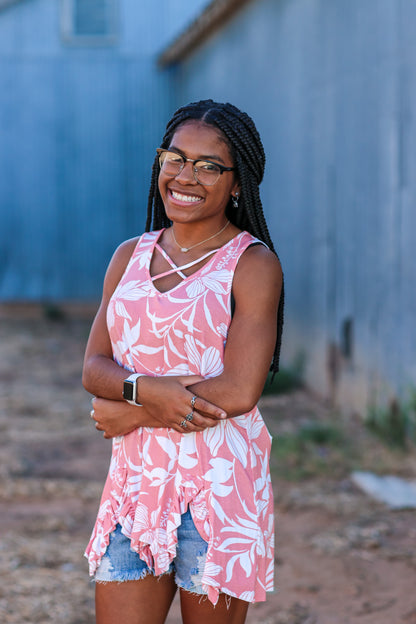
[127, 576]
[131, 576]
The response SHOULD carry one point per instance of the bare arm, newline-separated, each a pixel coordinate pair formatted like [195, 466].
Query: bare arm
[103, 377]
[252, 335]
[250, 342]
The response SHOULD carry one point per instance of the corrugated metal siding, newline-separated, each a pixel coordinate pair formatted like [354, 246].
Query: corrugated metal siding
[332, 87]
[77, 177]
[78, 130]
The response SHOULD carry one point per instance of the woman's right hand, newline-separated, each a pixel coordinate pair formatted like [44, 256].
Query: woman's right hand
[115, 418]
[168, 401]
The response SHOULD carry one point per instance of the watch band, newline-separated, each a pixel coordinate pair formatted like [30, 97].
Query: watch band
[130, 389]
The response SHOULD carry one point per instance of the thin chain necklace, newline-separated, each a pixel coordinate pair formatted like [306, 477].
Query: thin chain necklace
[186, 249]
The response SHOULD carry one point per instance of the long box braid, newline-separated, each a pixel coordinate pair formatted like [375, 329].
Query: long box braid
[247, 151]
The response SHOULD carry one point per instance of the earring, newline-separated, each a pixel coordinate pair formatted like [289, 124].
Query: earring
[234, 199]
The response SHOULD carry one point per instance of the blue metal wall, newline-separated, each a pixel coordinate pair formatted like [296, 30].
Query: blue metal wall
[332, 87]
[78, 129]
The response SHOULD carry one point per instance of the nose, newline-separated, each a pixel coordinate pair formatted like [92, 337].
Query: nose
[186, 176]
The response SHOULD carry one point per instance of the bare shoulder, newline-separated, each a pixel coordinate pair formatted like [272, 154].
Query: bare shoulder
[124, 251]
[118, 264]
[258, 265]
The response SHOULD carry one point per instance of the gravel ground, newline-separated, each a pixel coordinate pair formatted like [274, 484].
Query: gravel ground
[341, 558]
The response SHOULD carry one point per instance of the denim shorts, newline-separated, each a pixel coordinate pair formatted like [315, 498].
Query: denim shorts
[121, 563]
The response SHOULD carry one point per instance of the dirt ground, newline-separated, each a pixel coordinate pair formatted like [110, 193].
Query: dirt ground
[341, 558]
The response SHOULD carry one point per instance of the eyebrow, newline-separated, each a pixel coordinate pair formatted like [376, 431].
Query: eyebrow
[202, 157]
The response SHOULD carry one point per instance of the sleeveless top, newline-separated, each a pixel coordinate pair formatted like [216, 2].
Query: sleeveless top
[222, 473]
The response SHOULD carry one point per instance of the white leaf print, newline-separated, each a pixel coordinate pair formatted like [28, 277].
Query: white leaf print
[230, 567]
[231, 541]
[236, 443]
[189, 324]
[154, 517]
[211, 365]
[141, 517]
[103, 510]
[168, 446]
[222, 469]
[162, 561]
[180, 369]
[220, 473]
[246, 563]
[212, 569]
[146, 451]
[257, 450]
[131, 291]
[192, 352]
[269, 576]
[173, 347]
[195, 288]
[218, 510]
[214, 437]
[186, 461]
[222, 330]
[130, 334]
[208, 317]
[256, 428]
[127, 526]
[188, 448]
[247, 596]
[259, 484]
[220, 489]
[120, 310]
[222, 303]
[158, 477]
[214, 278]
[147, 349]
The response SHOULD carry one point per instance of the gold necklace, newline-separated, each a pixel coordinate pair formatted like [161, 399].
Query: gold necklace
[186, 249]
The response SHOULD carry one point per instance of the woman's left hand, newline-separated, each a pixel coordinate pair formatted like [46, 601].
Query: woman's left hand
[115, 418]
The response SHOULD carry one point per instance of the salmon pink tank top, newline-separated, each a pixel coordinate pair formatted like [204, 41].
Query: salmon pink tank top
[221, 473]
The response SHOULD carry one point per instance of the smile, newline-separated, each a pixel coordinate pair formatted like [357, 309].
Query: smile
[185, 198]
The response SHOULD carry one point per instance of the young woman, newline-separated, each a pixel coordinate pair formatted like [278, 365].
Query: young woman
[177, 359]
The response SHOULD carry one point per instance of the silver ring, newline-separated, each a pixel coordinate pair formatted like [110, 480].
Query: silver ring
[92, 413]
[183, 424]
[189, 416]
[194, 398]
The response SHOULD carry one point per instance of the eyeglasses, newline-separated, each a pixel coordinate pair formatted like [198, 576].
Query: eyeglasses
[205, 172]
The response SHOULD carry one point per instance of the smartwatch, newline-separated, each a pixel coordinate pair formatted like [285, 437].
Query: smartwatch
[130, 388]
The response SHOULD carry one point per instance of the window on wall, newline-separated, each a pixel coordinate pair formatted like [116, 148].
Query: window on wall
[89, 22]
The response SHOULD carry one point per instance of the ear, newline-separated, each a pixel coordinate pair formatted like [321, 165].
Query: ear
[236, 190]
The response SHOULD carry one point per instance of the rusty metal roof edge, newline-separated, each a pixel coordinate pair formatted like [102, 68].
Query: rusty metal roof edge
[211, 18]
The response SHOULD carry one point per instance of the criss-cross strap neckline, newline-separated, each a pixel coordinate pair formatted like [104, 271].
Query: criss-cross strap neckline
[178, 269]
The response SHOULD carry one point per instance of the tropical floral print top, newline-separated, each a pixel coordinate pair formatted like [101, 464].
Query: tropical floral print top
[222, 473]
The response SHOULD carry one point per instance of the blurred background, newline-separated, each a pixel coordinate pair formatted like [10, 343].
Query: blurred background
[86, 89]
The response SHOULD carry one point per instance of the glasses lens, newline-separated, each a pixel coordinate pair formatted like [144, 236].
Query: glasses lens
[206, 173]
[171, 163]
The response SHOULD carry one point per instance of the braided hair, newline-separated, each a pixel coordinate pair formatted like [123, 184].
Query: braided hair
[247, 152]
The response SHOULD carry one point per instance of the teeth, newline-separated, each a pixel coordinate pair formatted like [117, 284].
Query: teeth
[186, 198]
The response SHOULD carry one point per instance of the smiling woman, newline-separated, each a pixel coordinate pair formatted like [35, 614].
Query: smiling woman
[177, 358]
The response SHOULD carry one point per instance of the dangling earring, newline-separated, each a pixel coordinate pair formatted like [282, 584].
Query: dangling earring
[235, 200]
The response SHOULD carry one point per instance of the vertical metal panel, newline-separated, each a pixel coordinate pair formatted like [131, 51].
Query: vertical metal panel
[78, 129]
[332, 88]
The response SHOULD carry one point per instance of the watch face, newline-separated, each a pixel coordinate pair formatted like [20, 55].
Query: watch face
[128, 390]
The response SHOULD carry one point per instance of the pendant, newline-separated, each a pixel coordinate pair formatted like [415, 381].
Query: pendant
[184, 249]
